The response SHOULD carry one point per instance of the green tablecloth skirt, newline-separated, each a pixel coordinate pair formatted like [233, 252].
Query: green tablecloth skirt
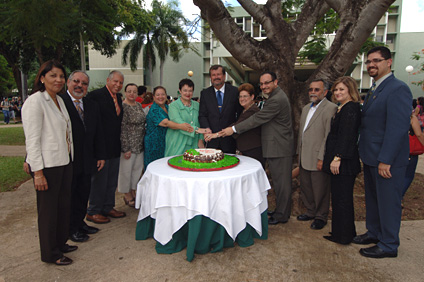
[200, 235]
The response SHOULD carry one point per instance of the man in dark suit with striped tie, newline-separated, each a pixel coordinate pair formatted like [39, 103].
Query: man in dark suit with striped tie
[89, 150]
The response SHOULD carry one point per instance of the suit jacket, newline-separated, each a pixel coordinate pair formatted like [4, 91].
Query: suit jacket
[277, 131]
[111, 123]
[45, 128]
[311, 142]
[385, 124]
[342, 141]
[210, 117]
[252, 138]
[89, 143]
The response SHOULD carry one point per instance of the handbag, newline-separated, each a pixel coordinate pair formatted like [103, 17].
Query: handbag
[415, 146]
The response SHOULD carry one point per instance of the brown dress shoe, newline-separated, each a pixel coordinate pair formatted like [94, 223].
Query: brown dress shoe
[116, 214]
[97, 218]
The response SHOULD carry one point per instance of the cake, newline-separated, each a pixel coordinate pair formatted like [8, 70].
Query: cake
[203, 155]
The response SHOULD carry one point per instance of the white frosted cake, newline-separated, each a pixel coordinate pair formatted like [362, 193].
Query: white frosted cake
[203, 155]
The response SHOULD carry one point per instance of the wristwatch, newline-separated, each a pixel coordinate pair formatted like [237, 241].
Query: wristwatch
[337, 159]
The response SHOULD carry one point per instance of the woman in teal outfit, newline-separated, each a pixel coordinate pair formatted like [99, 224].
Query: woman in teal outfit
[180, 111]
[157, 122]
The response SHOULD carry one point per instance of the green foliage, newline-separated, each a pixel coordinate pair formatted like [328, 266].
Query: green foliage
[314, 50]
[12, 136]
[6, 77]
[419, 57]
[164, 34]
[11, 173]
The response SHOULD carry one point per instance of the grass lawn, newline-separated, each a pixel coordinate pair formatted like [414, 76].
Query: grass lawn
[12, 136]
[11, 173]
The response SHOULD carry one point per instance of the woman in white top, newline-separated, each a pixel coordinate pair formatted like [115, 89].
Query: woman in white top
[48, 138]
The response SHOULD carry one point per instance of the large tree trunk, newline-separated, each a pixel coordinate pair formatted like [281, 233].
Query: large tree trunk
[279, 51]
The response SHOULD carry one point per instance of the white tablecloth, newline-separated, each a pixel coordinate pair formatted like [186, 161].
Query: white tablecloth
[231, 197]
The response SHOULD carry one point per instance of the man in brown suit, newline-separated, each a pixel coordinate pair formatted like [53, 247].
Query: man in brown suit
[277, 142]
[315, 123]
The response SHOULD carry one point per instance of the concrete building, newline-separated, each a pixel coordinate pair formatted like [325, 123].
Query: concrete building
[213, 52]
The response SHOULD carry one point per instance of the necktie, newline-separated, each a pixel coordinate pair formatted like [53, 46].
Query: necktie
[79, 109]
[370, 92]
[117, 108]
[219, 99]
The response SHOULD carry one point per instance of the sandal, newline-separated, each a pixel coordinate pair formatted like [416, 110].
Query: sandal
[130, 203]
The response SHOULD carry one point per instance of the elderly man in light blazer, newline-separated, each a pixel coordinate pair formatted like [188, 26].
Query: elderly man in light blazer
[315, 123]
[277, 142]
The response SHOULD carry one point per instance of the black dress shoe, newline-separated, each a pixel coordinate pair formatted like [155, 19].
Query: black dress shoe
[332, 239]
[270, 213]
[304, 217]
[89, 229]
[68, 249]
[273, 221]
[376, 252]
[364, 239]
[79, 237]
[63, 261]
[318, 224]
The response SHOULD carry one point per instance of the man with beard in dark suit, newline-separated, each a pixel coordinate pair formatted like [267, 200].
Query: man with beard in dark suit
[219, 107]
[105, 181]
[89, 150]
[384, 150]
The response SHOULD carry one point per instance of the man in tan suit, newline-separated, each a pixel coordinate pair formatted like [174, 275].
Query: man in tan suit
[315, 123]
[277, 142]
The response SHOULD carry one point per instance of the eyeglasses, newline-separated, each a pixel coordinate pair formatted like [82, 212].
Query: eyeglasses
[374, 61]
[265, 83]
[77, 81]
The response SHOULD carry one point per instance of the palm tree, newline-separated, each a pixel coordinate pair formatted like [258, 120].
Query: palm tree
[164, 36]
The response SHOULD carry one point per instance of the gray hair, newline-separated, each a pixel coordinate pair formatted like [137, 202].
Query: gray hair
[112, 73]
[71, 76]
[326, 84]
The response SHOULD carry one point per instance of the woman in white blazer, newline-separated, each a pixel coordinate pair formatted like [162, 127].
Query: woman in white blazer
[48, 138]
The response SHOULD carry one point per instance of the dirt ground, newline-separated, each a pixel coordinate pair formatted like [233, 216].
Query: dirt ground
[293, 252]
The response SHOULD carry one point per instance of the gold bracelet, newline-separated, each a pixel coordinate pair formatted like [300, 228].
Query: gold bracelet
[337, 159]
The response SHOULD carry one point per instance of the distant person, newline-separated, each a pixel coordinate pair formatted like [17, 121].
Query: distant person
[219, 107]
[5, 106]
[48, 140]
[341, 159]
[384, 150]
[141, 94]
[415, 129]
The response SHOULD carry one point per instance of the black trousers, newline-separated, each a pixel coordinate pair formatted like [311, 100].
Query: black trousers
[343, 222]
[53, 206]
[81, 184]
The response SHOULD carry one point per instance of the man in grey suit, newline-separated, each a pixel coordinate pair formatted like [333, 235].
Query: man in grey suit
[315, 123]
[277, 142]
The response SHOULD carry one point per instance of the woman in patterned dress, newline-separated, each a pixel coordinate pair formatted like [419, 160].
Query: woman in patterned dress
[132, 145]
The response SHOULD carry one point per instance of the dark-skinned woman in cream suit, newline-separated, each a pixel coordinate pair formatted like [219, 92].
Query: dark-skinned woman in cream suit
[48, 138]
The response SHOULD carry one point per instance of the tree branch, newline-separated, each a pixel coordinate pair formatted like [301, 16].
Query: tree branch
[356, 24]
[307, 20]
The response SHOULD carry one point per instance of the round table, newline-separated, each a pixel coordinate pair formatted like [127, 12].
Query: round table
[234, 199]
